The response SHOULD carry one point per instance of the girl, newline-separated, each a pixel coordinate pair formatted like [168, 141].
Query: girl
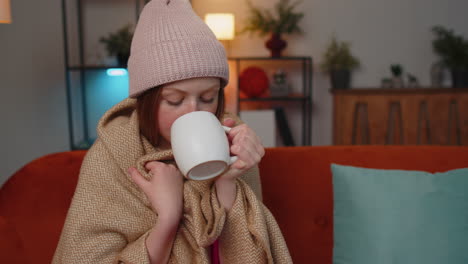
[132, 205]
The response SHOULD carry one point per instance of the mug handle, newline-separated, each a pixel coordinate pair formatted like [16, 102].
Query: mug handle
[233, 158]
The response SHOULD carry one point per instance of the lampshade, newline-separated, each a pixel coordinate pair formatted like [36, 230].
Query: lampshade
[222, 24]
[5, 14]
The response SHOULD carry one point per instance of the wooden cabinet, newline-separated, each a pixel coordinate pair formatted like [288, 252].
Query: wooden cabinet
[401, 116]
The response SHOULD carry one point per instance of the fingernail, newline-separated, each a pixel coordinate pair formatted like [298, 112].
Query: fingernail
[130, 170]
[241, 164]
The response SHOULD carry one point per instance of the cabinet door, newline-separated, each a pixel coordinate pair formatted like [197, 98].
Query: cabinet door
[424, 117]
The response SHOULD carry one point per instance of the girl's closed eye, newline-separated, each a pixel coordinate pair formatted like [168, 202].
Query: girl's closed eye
[174, 101]
[207, 100]
[209, 97]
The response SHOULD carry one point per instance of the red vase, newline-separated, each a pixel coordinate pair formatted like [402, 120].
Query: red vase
[275, 44]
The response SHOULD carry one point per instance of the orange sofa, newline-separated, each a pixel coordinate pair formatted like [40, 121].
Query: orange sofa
[297, 187]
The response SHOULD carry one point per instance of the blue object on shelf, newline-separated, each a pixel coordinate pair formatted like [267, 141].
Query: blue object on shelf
[102, 93]
[116, 72]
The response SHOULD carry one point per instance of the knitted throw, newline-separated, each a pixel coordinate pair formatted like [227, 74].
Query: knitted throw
[110, 218]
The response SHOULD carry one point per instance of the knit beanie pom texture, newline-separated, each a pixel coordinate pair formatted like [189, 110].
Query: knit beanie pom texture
[172, 43]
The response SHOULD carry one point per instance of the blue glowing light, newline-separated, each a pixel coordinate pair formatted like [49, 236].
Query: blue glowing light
[116, 72]
[103, 91]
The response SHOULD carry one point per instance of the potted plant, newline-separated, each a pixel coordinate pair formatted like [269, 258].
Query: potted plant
[339, 62]
[118, 44]
[397, 79]
[412, 81]
[453, 50]
[284, 21]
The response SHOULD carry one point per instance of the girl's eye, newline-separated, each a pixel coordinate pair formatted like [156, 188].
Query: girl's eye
[174, 103]
[207, 100]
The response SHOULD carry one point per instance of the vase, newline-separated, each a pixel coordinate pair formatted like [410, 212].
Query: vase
[459, 78]
[397, 82]
[275, 44]
[437, 75]
[340, 79]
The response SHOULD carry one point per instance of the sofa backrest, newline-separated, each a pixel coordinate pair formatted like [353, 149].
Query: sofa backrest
[296, 185]
[35, 201]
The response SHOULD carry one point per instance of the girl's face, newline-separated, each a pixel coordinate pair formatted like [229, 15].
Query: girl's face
[182, 97]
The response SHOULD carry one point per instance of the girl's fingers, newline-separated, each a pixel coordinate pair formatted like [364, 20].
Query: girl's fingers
[229, 122]
[237, 132]
[260, 150]
[242, 153]
[248, 143]
[239, 165]
[247, 156]
[138, 179]
[152, 165]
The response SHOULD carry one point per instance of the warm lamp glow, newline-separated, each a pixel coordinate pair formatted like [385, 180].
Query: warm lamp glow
[5, 12]
[222, 25]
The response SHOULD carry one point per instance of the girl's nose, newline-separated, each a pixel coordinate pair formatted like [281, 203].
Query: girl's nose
[192, 106]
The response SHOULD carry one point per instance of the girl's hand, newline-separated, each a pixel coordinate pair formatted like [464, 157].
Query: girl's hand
[246, 145]
[164, 190]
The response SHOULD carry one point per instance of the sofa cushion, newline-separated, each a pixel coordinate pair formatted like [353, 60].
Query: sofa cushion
[398, 216]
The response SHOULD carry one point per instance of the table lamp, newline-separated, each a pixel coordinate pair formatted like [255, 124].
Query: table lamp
[5, 12]
[222, 25]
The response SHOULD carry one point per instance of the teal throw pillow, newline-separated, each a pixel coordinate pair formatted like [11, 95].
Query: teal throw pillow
[396, 216]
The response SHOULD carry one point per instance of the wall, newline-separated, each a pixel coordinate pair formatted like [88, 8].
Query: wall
[32, 103]
[32, 75]
[381, 32]
[32, 78]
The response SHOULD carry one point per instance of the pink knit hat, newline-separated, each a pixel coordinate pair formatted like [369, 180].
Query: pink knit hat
[172, 43]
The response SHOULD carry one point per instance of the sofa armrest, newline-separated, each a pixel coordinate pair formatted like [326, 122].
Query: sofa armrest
[11, 245]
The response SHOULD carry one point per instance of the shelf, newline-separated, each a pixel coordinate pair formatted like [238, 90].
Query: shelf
[302, 99]
[83, 101]
[103, 67]
[378, 91]
[292, 97]
[92, 67]
[270, 58]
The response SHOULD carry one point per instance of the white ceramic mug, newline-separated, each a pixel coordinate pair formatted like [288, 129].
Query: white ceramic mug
[200, 145]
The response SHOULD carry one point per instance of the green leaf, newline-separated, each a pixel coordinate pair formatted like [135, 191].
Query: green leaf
[283, 20]
[452, 48]
[118, 42]
[338, 56]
